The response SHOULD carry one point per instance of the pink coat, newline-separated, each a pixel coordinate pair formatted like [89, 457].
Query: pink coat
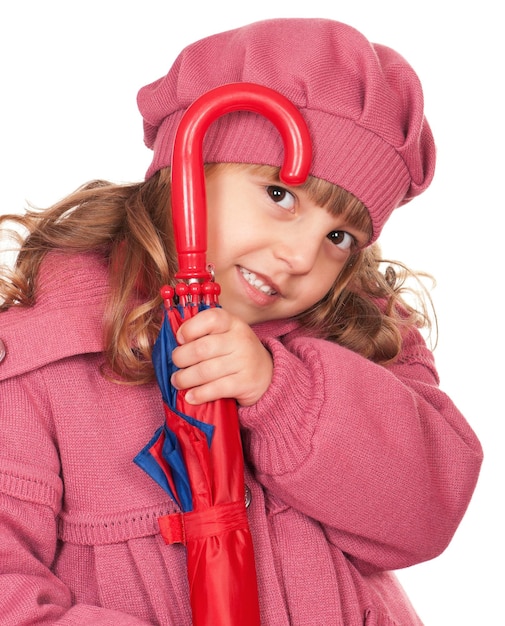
[354, 469]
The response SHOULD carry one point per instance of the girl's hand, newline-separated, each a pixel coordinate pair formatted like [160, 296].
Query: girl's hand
[220, 357]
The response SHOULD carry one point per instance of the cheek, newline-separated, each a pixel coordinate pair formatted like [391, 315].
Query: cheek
[217, 223]
[213, 242]
[330, 266]
[313, 291]
[220, 242]
[324, 277]
[321, 290]
[217, 234]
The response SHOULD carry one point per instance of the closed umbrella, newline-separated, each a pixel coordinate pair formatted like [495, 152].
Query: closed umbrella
[196, 455]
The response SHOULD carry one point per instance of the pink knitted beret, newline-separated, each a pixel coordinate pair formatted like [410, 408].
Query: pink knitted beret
[362, 102]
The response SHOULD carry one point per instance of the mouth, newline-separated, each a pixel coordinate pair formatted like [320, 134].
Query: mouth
[256, 282]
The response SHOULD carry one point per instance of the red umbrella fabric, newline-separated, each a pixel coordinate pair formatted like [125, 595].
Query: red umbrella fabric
[196, 455]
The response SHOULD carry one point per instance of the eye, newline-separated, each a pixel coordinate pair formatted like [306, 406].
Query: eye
[342, 239]
[281, 196]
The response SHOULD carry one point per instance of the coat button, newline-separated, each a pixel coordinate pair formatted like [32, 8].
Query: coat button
[3, 352]
[248, 497]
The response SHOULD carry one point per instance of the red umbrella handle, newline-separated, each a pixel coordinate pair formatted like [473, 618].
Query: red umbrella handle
[188, 181]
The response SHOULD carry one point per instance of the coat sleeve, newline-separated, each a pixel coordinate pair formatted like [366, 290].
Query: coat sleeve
[30, 499]
[379, 456]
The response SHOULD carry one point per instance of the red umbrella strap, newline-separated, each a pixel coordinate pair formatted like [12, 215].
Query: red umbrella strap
[211, 522]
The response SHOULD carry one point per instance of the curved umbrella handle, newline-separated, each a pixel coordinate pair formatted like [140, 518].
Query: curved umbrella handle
[188, 181]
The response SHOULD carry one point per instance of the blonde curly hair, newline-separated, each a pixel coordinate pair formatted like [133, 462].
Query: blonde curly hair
[366, 311]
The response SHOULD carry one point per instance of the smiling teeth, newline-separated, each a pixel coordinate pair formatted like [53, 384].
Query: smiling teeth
[253, 280]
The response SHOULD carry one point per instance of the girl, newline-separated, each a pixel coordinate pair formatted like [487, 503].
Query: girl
[356, 462]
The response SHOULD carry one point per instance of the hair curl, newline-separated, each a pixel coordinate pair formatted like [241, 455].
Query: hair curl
[365, 311]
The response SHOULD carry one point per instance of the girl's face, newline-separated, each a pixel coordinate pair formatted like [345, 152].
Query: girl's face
[275, 252]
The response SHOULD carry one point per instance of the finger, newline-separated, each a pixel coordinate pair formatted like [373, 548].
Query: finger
[209, 321]
[202, 349]
[203, 372]
[210, 392]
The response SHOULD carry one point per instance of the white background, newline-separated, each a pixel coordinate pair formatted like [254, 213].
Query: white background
[70, 72]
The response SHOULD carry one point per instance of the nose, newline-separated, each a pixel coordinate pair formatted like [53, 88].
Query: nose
[298, 249]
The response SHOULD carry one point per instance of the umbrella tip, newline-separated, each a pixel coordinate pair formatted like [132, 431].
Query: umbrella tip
[167, 293]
